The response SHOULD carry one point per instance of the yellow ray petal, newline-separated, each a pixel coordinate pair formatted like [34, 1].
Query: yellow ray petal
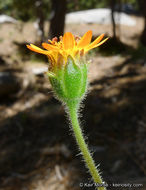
[37, 49]
[95, 42]
[85, 40]
[103, 41]
[68, 41]
[49, 47]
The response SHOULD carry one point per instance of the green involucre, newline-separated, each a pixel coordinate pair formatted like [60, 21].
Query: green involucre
[70, 81]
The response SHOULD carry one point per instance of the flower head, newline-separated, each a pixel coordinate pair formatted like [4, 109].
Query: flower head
[67, 70]
[68, 45]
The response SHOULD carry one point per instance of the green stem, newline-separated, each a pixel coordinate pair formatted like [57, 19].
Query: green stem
[73, 108]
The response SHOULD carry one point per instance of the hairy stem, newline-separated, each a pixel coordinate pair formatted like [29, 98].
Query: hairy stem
[73, 114]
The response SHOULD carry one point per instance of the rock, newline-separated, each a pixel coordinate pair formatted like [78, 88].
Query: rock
[7, 19]
[40, 70]
[37, 69]
[8, 84]
[99, 16]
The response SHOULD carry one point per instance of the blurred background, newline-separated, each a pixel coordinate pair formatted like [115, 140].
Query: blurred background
[37, 150]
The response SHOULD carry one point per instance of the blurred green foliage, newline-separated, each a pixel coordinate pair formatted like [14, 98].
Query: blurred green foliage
[84, 4]
[25, 10]
[77, 5]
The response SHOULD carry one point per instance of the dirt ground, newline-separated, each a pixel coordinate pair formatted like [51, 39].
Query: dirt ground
[37, 150]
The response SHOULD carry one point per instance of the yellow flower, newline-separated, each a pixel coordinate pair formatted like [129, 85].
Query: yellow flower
[68, 46]
[67, 72]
